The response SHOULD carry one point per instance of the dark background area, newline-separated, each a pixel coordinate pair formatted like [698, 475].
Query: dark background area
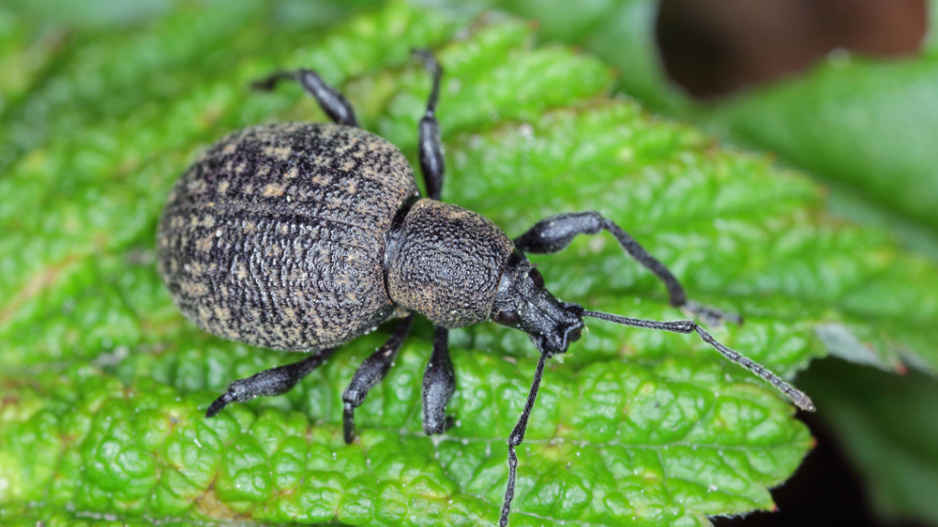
[713, 48]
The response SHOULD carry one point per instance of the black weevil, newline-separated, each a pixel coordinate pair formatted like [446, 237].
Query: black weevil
[302, 237]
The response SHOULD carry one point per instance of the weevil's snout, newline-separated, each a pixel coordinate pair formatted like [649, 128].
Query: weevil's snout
[523, 303]
[566, 327]
[559, 339]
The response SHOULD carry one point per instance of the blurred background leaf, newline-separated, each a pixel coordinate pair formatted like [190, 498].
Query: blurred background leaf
[860, 124]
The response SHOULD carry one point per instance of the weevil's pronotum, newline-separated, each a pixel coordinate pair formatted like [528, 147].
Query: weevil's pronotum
[302, 237]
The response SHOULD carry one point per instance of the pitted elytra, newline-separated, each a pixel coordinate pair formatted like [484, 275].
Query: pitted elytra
[301, 237]
[276, 235]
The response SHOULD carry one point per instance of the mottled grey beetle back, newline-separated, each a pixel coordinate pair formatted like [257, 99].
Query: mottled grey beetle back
[275, 236]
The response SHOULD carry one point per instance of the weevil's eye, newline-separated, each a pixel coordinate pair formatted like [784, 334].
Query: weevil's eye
[507, 318]
[537, 278]
[575, 335]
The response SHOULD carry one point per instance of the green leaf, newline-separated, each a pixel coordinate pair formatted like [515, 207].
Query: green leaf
[104, 384]
[862, 125]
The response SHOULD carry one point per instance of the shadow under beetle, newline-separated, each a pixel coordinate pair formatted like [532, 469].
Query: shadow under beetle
[304, 236]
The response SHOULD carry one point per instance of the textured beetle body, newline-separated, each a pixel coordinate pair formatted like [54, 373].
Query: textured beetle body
[276, 235]
[304, 236]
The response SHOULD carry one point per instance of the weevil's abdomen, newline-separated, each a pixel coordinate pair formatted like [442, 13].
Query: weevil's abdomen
[276, 235]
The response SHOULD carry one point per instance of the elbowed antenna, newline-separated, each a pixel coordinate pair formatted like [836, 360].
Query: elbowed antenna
[689, 326]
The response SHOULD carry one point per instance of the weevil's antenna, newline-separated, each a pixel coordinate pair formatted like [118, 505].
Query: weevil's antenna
[517, 435]
[688, 326]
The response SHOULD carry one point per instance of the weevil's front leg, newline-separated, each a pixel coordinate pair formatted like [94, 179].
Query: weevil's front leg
[431, 149]
[556, 232]
[439, 382]
[275, 381]
[330, 100]
[517, 436]
[370, 373]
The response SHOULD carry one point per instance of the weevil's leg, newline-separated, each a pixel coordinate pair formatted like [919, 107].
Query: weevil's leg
[439, 381]
[370, 373]
[517, 436]
[332, 102]
[275, 381]
[689, 326]
[431, 149]
[556, 232]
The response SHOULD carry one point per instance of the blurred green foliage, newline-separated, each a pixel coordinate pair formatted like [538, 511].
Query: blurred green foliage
[862, 125]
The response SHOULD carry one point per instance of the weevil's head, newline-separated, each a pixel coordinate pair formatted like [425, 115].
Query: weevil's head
[523, 303]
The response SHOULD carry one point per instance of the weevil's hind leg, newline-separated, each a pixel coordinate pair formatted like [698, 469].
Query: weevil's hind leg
[439, 382]
[369, 374]
[332, 102]
[556, 232]
[275, 381]
[517, 436]
[431, 149]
